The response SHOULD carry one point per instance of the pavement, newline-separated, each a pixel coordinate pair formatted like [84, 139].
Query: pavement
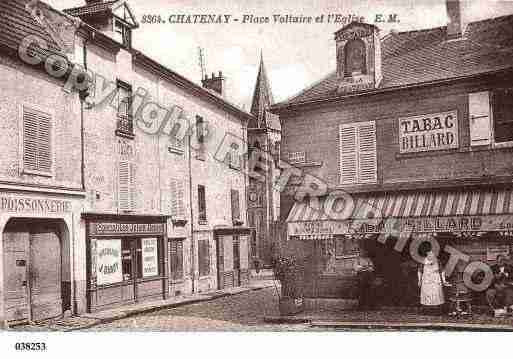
[93, 320]
[255, 308]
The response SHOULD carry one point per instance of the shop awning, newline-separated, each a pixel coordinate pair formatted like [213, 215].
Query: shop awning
[420, 211]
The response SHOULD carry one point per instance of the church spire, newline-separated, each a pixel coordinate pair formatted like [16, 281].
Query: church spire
[262, 95]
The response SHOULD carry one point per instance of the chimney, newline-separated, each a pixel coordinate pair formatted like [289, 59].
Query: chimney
[215, 83]
[454, 26]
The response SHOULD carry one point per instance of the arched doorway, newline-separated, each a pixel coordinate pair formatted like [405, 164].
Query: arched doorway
[36, 269]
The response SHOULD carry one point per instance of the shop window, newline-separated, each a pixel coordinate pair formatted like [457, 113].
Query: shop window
[147, 250]
[358, 159]
[177, 190]
[123, 33]
[125, 124]
[202, 204]
[127, 191]
[176, 259]
[235, 202]
[37, 141]
[346, 246]
[126, 260]
[203, 257]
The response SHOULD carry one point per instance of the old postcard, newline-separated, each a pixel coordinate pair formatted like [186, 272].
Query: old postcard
[236, 165]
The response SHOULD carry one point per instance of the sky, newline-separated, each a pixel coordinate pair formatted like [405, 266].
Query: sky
[295, 55]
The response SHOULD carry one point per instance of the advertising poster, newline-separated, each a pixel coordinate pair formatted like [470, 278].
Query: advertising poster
[150, 257]
[108, 261]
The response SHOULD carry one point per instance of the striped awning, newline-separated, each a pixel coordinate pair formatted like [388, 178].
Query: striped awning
[418, 204]
[452, 210]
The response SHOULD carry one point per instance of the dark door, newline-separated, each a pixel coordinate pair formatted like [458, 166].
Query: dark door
[220, 262]
[236, 261]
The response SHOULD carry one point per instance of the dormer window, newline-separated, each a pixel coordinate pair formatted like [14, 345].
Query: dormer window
[123, 33]
[354, 59]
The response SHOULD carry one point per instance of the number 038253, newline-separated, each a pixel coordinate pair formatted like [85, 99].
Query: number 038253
[29, 346]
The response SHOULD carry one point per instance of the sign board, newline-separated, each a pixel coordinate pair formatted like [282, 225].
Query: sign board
[492, 251]
[108, 261]
[150, 257]
[102, 228]
[433, 132]
[26, 204]
[454, 224]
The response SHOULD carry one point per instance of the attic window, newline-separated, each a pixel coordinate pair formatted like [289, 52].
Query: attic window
[355, 59]
[123, 33]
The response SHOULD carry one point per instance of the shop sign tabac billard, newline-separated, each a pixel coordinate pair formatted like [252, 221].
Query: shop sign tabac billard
[108, 261]
[433, 132]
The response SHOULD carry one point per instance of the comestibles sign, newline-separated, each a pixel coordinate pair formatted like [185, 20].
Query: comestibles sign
[431, 132]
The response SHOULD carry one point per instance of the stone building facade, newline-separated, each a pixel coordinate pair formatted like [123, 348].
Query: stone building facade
[412, 129]
[136, 172]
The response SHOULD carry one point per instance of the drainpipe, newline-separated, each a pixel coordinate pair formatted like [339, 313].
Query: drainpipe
[192, 214]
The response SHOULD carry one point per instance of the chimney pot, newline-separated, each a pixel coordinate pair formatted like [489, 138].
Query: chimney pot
[454, 26]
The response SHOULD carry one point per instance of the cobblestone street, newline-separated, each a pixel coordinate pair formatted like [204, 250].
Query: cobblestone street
[239, 312]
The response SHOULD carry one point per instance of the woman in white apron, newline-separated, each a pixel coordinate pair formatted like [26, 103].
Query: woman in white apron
[431, 281]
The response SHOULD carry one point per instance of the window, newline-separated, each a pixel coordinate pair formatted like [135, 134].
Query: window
[233, 156]
[503, 115]
[126, 186]
[177, 198]
[176, 258]
[176, 145]
[357, 143]
[297, 157]
[486, 124]
[200, 137]
[123, 33]
[234, 196]
[202, 204]
[203, 257]
[125, 120]
[37, 141]
[354, 58]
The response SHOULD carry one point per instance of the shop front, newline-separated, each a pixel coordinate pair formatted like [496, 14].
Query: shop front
[126, 259]
[232, 248]
[36, 232]
[392, 229]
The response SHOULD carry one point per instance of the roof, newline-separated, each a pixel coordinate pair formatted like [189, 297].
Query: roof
[16, 23]
[423, 56]
[90, 9]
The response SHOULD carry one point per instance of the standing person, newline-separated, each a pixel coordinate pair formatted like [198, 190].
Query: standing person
[431, 279]
[365, 272]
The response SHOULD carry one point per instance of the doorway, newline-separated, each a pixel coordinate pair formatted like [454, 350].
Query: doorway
[33, 270]
[236, 262]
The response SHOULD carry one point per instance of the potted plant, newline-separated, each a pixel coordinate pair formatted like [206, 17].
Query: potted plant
[290, 272]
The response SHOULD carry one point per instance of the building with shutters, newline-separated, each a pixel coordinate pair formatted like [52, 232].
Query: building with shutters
[125, 175]
[410, 137]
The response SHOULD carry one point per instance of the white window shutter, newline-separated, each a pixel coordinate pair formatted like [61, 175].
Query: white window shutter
[30, 141]
[133, 187]
[181, 199]
[124, 186]
[367, 166]
[348, 154]
[479, 118]
[37, 140]
[177, 198]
